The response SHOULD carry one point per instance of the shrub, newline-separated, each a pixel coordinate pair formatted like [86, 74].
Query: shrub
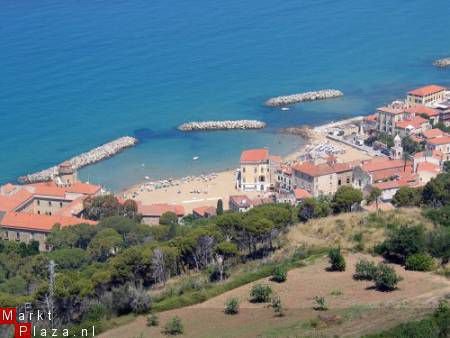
[419, 262]
[277, 306]
[364, 270]
[336, 292]
[215, 274]
[386, 278]
[321, 304]
[140, 300]
[279, 274]
[232, 306]
[152, 320]
[260, 293]
[174, 326]
[336, 259]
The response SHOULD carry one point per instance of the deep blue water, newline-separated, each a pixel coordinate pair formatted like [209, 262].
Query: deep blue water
[75, 74]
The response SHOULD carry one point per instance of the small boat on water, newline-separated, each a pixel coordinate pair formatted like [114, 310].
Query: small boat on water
[147, 178]
[285, 108]
[195, 158]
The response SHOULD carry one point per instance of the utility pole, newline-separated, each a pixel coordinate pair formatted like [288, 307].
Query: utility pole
[51, 270]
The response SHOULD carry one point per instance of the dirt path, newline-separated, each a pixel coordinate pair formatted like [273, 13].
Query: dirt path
[360, 307]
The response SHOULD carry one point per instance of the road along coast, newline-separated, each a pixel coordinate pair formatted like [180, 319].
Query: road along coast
[221, 125]
[95, 155]
[303, 97]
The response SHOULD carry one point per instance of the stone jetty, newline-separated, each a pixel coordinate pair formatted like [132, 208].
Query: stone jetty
[222, 125]
[303, 97]
[95, 155]
[442, 62]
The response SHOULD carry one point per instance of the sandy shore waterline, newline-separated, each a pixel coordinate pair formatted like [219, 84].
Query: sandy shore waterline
[206, 190]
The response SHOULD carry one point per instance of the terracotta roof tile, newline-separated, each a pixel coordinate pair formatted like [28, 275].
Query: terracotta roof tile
[205, 211]
[322, 169]
[242, 201]
[432, 133]
[42, 223]
[421, 109]
[255, 155]
[426, 90]
[380, 163]
[301, 194]
[427, 166]
[439, 140]
[416, 122]
[11, 202]
[157, 209]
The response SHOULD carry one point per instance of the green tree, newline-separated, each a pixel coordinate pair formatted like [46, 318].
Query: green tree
[439, 244]
[104, 244]
[345, 197]
[219, 209]
[440, 216]
[313, 208]
[336, 259]
[69, 258]
[406, 196]
[447, 166]
[374, 196]
[99, 207]
[386, 278]
[410, 146]
[168, 218]
[436, 192]
[403, 242]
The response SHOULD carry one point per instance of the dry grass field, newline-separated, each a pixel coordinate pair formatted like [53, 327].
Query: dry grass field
[355, 308]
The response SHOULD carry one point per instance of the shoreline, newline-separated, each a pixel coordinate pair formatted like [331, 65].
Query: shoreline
[205, 189]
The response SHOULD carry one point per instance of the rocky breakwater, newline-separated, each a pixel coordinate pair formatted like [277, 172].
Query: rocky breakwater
[222, 125]
[95, 155]
[442, 62]
[303, 97]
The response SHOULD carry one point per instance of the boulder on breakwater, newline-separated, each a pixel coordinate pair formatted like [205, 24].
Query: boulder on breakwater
[95, 155]
[445, 62]
[222, 125]
[303, 97]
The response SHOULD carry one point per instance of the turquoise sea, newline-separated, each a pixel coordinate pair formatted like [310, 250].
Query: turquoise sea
[76, 74]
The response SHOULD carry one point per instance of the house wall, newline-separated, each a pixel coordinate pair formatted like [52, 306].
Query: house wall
[255, 177]
[436, 97]
[25, 236]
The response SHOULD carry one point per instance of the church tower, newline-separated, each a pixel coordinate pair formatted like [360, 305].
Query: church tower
[397, 150]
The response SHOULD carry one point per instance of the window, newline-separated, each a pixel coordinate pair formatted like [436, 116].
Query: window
[60, 204]
[50, 203]
[39, 212]
[339, 182]
[243, 169]
[17, 236]
[38, 202]
[348, 180]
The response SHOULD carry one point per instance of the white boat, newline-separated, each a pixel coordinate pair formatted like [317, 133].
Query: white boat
[147, 178]
[285, 108]
[195, 158]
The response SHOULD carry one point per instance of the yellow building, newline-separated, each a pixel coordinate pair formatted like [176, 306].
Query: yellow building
[426, 95]
[257, 171]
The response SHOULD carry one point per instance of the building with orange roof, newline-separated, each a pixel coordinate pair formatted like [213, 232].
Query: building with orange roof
[284, 181]
[387, 118]
[412, 126]
[426, 95]
[34, 208]
[151, 213]
[428, 113]
[257, 170]
[433, 133]
[379, 170]
[239, 203]
[27, 227]
[301, 194]
[204, 212]
[441, 144]
[324, 178]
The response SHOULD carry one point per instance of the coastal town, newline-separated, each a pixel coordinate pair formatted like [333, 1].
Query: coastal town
[403, 144]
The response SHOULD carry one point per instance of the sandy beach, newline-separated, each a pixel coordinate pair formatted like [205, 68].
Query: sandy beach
[206, 190]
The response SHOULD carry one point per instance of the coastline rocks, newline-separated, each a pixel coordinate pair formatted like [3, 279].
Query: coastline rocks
[222, 125]
[95, 155]
[305, 132]
[442, 62]
[302, 97]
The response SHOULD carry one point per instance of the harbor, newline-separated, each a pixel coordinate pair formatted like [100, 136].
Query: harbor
[100, 153]
[303, 97]
[222, 125]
